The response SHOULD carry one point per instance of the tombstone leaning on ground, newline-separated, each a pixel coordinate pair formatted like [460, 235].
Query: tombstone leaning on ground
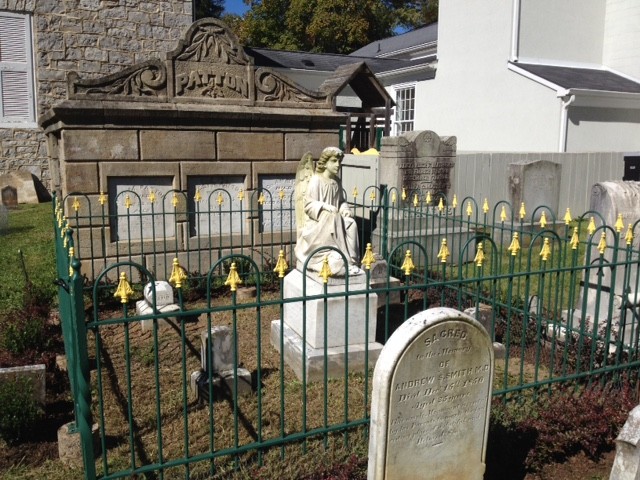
[626, 465]
[431, 399]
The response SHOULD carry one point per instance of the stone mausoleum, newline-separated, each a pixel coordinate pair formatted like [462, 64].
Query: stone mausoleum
[203, 119]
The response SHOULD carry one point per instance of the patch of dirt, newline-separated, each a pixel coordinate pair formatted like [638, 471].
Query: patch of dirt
[577, 467]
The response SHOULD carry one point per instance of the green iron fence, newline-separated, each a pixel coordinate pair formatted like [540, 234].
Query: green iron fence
[559, 297]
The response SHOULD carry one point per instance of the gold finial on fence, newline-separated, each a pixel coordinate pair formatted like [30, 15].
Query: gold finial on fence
[575, 240]
[522, 212]
[325, 271]
[407, 266]
[102, 199]
[281, 265]
[174, 200]
[485, 206]
[427, 199]
[355, 193]
[441, 205]
[503, 214]
[372, 195]
[178, 275]
[543, 220]
[64, 227]
[394, 197]
[127, 202]
[241, 195]
[124, 290]
[233, 280]
[602, 244]
[76, 204]
[629, 235]
[591, 228]
[545, 253]
[152, 196]
[416, 200]
[479, 258]
[71, 255]
[454, 202]
[619, 223]
[404, 194]
[281, 194]
[444, 253]
[469, 208]
[514, 248]
[198, 196]
[261, 198]
[220, 199]
[369, 258]
[567, 217]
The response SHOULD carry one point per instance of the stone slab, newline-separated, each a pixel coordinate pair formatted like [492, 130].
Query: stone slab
[431, 399]
[250, 146]
[358, 356]
[35, 373]
[85, 145]
[163, 292]
[222, 345]
[24, 184]
[177, 145]
[535, 184]
[143, 308]
[312, 313]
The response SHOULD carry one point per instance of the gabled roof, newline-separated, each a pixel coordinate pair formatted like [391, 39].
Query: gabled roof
[323, 62]
[404, 41]
[363, 82]
[569, 78]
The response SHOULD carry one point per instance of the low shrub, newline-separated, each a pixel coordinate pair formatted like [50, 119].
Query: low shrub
[565, 421]
[19, 411]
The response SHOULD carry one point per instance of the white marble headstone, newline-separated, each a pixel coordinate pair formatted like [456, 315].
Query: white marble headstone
[164, 294]
[431, 399]
[220, 210]
[276, 212]
[143, 219]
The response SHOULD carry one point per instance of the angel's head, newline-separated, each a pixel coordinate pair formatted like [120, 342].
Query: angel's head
[327, 154]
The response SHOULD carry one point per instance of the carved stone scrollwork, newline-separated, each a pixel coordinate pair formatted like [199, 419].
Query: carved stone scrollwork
[148, 79]
[272, 87]
[210, 40]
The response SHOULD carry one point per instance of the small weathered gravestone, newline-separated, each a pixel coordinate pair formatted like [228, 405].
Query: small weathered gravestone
[431, 399]
[10, 197]
[626, 465]
[4, 220]
[535, 184]
[164, 303]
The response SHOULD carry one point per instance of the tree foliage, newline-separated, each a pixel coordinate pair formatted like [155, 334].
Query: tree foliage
[208, 8]
[336, 26]
[413, 14]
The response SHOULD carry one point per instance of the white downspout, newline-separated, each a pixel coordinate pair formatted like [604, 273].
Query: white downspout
[564, 122]
[515, 31]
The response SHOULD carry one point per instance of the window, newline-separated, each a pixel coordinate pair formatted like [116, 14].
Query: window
[16, 69]
[405, 108]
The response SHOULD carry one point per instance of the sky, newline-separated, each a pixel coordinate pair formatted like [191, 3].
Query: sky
[235, 6]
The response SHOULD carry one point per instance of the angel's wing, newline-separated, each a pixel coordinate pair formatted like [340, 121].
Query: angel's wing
[303, 175]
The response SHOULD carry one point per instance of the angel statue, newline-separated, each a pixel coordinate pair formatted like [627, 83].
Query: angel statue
[323, 216]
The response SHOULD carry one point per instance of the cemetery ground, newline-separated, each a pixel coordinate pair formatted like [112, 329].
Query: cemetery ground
[27, 298]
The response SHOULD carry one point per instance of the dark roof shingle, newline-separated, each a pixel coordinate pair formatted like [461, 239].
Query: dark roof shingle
[582, 78]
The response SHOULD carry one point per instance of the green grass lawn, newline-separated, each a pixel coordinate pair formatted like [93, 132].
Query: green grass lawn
[30, 231]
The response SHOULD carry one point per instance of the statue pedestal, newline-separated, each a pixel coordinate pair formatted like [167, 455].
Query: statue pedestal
[342, 327]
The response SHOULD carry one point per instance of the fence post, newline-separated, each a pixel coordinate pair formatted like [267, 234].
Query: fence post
[385, 222]
[82, 400]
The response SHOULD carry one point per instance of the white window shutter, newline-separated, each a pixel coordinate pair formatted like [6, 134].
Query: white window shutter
[16, 74]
